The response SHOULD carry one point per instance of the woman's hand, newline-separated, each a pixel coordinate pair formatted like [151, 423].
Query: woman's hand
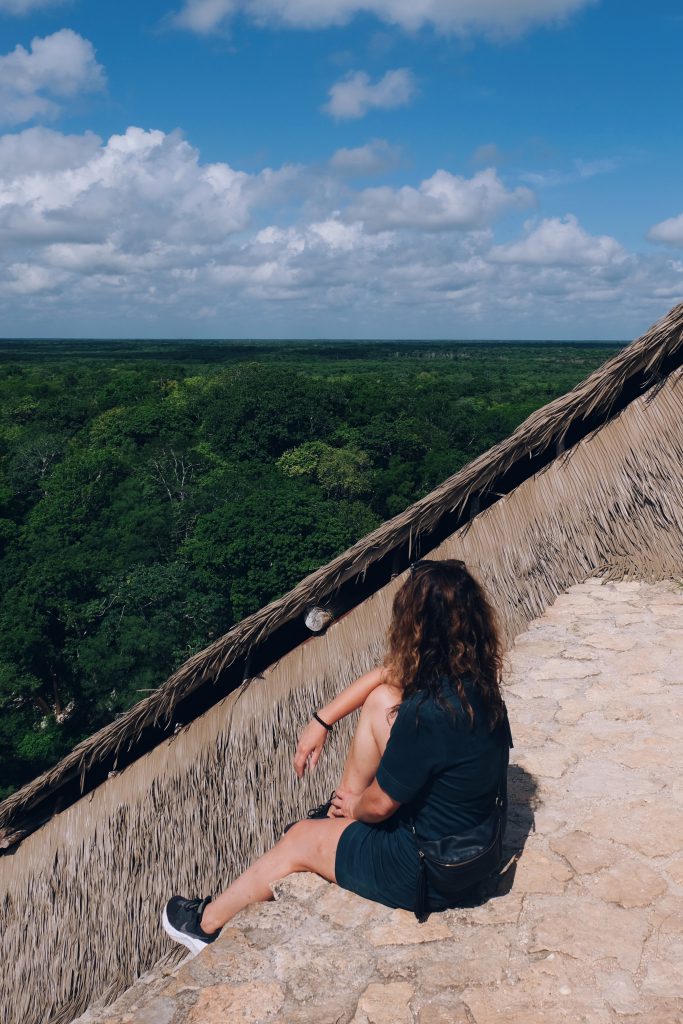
[309, 748]
[343, 804]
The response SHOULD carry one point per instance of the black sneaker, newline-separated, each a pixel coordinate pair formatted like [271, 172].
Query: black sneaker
[315, 812]
[180, 919]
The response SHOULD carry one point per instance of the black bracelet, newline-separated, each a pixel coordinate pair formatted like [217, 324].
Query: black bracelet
[319, 719]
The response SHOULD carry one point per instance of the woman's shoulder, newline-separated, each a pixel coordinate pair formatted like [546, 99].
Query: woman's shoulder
[435, 704]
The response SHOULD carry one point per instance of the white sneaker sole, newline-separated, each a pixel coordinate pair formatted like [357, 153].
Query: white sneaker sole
[194, 945]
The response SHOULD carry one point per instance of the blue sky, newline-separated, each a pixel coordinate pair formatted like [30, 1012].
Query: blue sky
[340, 168]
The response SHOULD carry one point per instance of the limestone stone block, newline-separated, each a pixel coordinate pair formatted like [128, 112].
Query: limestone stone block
[566, 669]
[608, 595]
[501, 910]
[157, 1011]
[264, 922]
[231, 956]
[589, 929]
[577, 740]
[618, 990]
[674, 869]
[538, 686]
[597, 779]
[314, 1011]
[648, 827]
[628, 618]
[347, 909]
[473, 956]
[385, 1004]
[403, 928]
[630, 884]
[500, 1007]
[580, 653]
[624, 711]
[642, 669]
[301, 886]
[610, 732]
[250, 1003]
[571, 710]
[550, 761]
[528, 735]
[509, 1004]
[537, 871]
[439, 1013]
[671, 638]
[664, 956]
[649, 751]
[528, 646]
[664, 979]
[606, 641]
[322, 960]
[585, 853]
[666, 604]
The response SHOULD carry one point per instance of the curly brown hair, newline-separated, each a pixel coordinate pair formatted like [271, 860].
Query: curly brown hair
[443, 625]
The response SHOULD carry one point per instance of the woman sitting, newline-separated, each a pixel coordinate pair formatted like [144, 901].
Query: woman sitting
[428, 760]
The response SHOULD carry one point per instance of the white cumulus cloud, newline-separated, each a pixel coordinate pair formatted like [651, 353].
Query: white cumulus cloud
[204, 16]
[140, 189]
[374, 157]
[355, 94]
[493, 17]
[56, 67]
[136, 235]
[43, 149]
[561, 242]
[441, 203]
[669, 231]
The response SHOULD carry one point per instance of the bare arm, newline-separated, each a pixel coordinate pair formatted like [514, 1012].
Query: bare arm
[371, 806]
[312, 738]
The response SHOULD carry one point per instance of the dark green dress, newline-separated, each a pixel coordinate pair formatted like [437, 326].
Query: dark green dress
[445, 776]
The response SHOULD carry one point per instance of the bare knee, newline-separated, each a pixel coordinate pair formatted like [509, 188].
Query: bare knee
[295, 846]
[382, 699]
[312, 845]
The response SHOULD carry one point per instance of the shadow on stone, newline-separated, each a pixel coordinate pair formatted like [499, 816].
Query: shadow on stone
[522, 802]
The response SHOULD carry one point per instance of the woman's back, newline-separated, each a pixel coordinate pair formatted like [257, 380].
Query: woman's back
[444, 770]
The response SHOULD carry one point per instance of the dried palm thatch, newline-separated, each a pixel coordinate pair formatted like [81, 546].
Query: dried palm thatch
[610, 502]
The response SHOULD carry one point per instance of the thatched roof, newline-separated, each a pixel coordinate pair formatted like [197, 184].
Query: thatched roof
[539, 440]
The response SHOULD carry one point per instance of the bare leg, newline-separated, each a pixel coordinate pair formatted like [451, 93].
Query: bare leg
[307, 846]
[370, 738]
[312, 845]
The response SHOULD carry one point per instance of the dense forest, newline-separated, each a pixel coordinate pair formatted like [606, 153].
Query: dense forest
[153, 494]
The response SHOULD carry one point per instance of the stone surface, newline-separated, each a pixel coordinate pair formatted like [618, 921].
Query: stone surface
[596, 778]
[648, 827]
[584, 853]
[611, 641]
[385, 1004]
[675, 870]
[438, 1013]
[590, 929]
[584, 925]
[630, 884]
[403, 928]
[247, 1004]
[618, 990]
[538, 871]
